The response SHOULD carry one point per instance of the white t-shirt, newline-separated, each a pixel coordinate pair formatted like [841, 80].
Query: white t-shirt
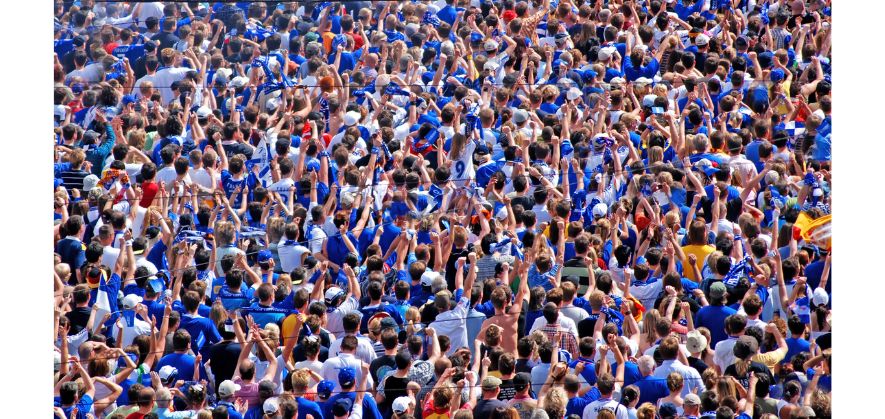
[593, 409]
[203, 178]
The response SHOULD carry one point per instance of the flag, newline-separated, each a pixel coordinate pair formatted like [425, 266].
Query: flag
[102, 301]
[739, 269]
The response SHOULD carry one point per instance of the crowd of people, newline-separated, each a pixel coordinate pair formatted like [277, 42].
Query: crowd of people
[442, 209]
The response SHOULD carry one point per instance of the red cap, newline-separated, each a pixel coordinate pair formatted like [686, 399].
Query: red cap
[508, 15]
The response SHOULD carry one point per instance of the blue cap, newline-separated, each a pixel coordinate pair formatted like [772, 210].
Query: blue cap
[587, 75]
[156, 285]
[129, 99]
[476, 37]
[324, 389]
[264, 256]
[342, 406]
[667, 410]
[346, 376]
[777, 75]
[561, 35]
[57, 183]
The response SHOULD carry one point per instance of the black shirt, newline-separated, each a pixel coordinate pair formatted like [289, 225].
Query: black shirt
[78, 318]
[393, 387]
[756, 367]
[451, 268]
[484, 408]
[223, 356]
[384, 361]
[522, 365]
[507, 390]
[165, 40]
[697, 364]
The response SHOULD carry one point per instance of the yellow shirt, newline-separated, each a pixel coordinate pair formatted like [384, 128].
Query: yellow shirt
[771, 359]
[701, 252]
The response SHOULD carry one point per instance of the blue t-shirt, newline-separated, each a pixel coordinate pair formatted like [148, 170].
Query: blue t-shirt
[307, 407]
[84, 406]
[713, 318]
[184, 363]
[651, 389]
[795, 346]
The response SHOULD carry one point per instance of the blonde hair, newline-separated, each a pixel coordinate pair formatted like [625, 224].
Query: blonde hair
[224, 233]
[555, 403]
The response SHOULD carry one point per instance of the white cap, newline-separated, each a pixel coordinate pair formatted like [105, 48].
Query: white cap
[57, 357]
[520, 116]
[600, 209]
[203, 112]
[167, 371]
[649, 100]
[271, 406]
[332, 293]
[272, 103]
[490, 65]
[130, 301]
[702, 40]
[573, 94]
[239, 81]
[606, 53]
[227, 388]
[427, 278]
[820, 297]
[491, 45]
[89, 182]
[401, 404]
[617, 80]
[642, 81]
[226, 72]
[351, 118]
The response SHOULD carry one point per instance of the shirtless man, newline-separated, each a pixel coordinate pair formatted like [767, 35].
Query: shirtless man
[506, 313]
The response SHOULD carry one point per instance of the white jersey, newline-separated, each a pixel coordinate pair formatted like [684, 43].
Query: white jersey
[462, 166]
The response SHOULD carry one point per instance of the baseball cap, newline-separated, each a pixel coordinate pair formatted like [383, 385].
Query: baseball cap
[130, 301]
[745, 346]
[264, 256]
[389, 323]
[648, 101]
[239, 81]
[271, 406]
[351, 118]
[89, 182]
[600, 210]
[491, 383]
[491, 45]
[127, 99]
[520, 116]
[702, 40]
[692, 399]
[521, 381]
[203, 112]
[342, 406]
[324, 389]
[79, 41]
[227, 388]
[717, 290]
[401, 404]
[606, 53]
[346, 376]
[667, 410]
[777, 75]
[332, 294]
[820, 297]
[695, 342]
[150, 46]
[168, 373]
[427, 278]
[491, 66]
[573, 94]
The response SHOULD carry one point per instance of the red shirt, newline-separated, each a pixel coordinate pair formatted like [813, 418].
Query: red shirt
[150, 189]
[109, 48]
